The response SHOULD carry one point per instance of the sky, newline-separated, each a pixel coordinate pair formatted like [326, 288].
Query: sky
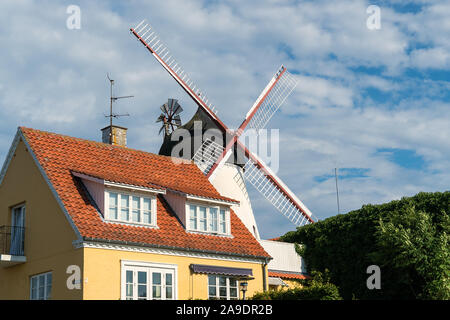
[374, 103]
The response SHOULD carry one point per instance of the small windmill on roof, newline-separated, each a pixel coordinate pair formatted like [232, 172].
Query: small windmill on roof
[229, 178]
[170, 116]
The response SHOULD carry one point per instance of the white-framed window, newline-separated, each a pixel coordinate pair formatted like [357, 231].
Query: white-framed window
[130, 207]
[212, 219]
[148, 281]
[222, 288]
[41, 286]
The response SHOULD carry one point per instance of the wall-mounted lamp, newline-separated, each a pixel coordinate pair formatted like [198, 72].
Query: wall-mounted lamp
[243, 285]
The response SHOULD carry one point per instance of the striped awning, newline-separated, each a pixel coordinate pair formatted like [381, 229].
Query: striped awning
[276, 281]
[228, 271]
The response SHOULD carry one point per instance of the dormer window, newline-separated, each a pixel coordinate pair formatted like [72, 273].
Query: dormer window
[130, 207]
[211, 219]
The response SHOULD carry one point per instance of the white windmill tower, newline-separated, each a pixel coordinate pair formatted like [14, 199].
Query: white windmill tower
[212, 157]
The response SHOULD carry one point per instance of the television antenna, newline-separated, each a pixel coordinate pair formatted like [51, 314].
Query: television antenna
[111, 113]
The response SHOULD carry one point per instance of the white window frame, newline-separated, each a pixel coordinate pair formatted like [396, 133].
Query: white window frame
[208, 221]
[37, 276]
[217, 295]
[130, 195]
[149, 267]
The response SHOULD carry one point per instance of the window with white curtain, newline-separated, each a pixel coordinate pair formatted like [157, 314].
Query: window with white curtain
[41, 286]
[130, 207]
[212, 219]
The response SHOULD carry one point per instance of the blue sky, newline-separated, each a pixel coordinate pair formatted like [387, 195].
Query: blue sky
[373, 103]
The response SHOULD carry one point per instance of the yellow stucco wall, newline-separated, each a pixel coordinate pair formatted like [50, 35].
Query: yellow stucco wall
[48, 234]
[102, 273]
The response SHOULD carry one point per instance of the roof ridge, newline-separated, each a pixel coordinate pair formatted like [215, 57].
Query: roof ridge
[102, 144]
[212, 193]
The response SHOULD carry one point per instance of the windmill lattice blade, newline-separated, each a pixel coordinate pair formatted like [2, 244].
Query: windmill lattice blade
[150, 39]
[164, 108]
[178, 109]
[273, 101]
[207, 155]
[171, 103]
[281, 199]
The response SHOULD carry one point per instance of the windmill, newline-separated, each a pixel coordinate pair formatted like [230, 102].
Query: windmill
[255, 171]
[170, 116]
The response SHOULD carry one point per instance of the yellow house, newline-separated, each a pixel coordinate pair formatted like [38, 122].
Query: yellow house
[87, 220]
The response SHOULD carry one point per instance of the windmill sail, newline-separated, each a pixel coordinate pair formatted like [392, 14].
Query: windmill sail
[150, 39]
[269, 101]
[207, 155]
[211, 156]
[274, 190]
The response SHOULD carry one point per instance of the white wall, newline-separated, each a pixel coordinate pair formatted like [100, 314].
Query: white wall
[178, 204]
[285, 258]
[97, 192]
[229, 182]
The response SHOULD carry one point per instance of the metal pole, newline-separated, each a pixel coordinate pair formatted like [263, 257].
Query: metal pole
[110, 114]
[337, 190]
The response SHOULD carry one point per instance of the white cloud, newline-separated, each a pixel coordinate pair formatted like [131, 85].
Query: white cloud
[435, 58]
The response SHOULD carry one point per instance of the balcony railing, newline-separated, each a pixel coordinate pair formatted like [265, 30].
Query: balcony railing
[12, 240]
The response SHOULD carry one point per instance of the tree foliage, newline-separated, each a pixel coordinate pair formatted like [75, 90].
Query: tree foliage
[413, 244]
[408, 239]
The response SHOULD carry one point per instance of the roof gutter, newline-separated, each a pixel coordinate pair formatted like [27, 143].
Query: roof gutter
[202, 198]
[264, 259]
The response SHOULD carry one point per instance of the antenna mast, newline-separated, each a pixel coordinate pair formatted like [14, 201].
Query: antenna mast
[111, 114]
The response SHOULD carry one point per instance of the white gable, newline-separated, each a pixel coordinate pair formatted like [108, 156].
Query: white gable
[285, 258]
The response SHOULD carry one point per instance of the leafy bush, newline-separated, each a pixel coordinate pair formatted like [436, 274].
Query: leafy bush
[315, 289]
[408, 239]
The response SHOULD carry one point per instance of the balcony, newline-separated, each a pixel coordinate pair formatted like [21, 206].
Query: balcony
[12, 246]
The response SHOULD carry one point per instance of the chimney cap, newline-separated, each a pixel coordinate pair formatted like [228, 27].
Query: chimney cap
[114, 126]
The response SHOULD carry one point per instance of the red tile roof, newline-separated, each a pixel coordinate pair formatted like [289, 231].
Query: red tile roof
[287, 275]
[61, 155]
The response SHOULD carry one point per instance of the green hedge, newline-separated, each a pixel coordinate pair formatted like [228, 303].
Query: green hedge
[408, 239]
